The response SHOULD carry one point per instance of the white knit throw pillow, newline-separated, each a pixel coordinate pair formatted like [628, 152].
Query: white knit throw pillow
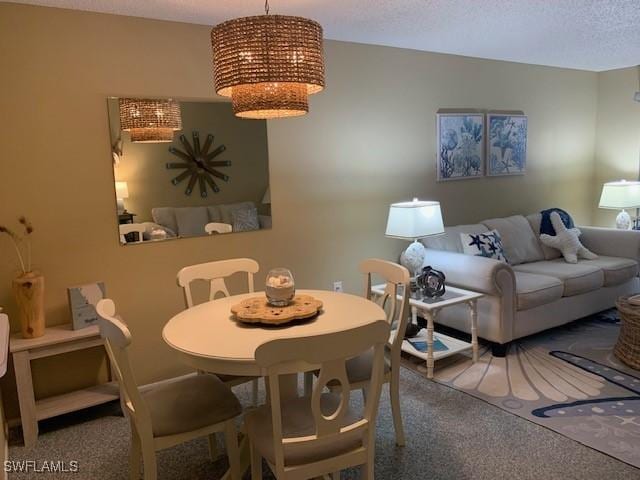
[566, 240]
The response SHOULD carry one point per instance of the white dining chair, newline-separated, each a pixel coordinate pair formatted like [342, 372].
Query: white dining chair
[127, 228]
[398, 310]
[215, 227]
[215, 273]
[167, 414]
[307, 437]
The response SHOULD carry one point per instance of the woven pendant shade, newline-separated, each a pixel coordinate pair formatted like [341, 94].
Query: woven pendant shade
[268, 64]
[150, 120]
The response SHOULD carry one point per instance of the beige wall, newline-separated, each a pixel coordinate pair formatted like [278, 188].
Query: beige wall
[149, 182]
[618, 134]
[369, 140]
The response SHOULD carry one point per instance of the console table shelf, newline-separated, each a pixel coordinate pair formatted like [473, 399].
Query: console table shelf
[55, 341]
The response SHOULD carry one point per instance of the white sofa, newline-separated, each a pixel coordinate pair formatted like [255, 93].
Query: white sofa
[537, 290]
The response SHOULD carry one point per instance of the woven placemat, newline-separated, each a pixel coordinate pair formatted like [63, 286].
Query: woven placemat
[258, 310]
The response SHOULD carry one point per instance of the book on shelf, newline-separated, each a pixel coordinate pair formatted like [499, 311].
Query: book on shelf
[420, 344]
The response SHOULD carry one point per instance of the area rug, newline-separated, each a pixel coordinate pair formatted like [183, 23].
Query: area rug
[565, 379]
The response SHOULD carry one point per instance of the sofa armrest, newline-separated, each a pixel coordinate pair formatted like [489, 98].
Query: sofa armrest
[612, 242]
[480, 274]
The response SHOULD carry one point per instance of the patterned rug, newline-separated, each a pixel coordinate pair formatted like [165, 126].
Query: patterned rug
[565, 379]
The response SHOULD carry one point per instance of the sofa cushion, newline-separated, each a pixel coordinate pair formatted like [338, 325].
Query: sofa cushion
[534, 290]
[577, 278]
[521, 245]
[616, 270]
[450, 241]
[191, 220]
[166, 217]
[535, 219]
[214, 214]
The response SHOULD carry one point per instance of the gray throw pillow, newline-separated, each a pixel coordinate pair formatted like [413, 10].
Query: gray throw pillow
[245, 220]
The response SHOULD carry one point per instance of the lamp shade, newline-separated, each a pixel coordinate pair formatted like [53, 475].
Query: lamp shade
[619, 195]
[150, 120]
[122, 191]
[268, 64]
[413, 220]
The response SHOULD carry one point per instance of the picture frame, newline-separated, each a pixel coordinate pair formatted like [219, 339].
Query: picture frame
[82, 303]
[506, 144]
[460, 145]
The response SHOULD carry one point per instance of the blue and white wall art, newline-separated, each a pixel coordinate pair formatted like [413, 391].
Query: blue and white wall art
[461, 152]
[506, 144]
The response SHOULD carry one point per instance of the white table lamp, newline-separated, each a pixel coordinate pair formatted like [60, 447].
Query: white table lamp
[620, 196]
[412, 221]
[122, 192]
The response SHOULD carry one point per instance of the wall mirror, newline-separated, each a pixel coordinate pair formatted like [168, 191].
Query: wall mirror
[186, 168]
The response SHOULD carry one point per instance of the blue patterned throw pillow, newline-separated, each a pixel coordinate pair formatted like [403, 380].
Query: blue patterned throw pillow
[488, 244]
[245, 220]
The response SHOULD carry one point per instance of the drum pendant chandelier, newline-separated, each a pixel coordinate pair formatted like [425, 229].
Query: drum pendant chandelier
[150, 120]
[268, 64]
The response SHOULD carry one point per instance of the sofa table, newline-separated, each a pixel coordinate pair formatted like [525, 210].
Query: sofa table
[429, 308]
[56, 340]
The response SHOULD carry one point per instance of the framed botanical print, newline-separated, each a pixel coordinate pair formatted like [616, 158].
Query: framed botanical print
[506, 144]
[460, 140]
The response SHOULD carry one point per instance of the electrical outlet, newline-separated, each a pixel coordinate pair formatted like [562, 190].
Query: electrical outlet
[337, 286]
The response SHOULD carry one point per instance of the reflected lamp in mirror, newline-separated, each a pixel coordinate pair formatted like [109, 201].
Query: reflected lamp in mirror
[122, 192]
[412, 221]
[620, 196]
[150, 120]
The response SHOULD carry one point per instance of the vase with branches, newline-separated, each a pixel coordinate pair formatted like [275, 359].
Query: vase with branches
[28, 286]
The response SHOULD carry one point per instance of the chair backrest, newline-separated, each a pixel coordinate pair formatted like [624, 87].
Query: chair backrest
[397, 278]
[127, 228]
[215, 227]
[117, 339]
[329, 353]
[215, 273]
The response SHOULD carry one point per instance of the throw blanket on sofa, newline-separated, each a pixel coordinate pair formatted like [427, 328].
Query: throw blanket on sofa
[545, 225]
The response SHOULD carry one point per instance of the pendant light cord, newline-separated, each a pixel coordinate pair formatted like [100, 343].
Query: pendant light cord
[266, 7]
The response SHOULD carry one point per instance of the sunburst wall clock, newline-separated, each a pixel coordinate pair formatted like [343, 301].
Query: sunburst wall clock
[199, 164]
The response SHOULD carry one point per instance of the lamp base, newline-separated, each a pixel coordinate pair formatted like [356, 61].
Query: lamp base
[623, 221]
[413, 257]
[120, 206]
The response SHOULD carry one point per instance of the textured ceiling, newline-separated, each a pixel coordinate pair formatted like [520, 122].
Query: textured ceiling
[585, 34]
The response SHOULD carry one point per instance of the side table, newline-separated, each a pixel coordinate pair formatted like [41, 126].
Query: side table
[55, 341]
[429, 308]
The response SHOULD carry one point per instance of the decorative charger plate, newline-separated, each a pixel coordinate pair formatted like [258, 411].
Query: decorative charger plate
[258, 310]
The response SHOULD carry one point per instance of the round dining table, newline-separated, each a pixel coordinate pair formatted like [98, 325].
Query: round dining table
[209, 338]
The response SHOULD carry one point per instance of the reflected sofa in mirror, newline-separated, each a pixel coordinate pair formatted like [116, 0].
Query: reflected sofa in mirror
[185, 168]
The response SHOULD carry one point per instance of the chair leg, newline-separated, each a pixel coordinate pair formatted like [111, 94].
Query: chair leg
[135, 455]
[367, 468]
[233, 452]
[149, 461]
[254, 393]
[367, 471]
[256, 463]
[364, 395]
[213, 446]
[394, 392]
